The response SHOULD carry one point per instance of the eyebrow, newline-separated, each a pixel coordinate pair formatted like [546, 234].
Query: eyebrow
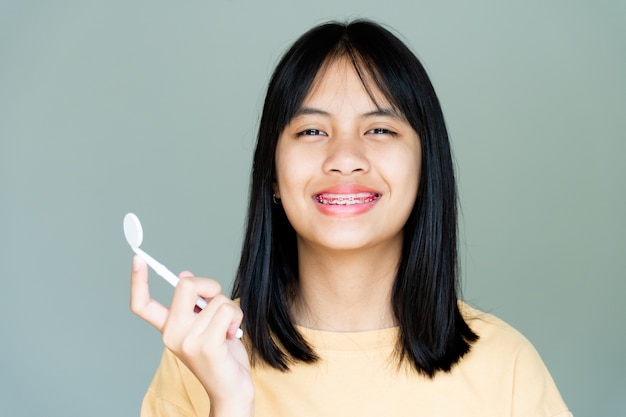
[384, 111]
[381, 111]
[303, 111]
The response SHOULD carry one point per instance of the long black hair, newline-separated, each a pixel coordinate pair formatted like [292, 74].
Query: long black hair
[433, 335]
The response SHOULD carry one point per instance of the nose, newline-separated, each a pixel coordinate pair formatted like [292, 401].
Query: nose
[346, 155]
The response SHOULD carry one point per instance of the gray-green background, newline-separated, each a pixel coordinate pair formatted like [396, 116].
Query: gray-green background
[151, 106]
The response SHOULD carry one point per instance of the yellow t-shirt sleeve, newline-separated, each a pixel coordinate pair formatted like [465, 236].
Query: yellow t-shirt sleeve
[534, 390]
[174, 391]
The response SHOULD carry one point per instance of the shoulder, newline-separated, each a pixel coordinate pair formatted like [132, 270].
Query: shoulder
[500, 343]
[504, 356]
[491, 329]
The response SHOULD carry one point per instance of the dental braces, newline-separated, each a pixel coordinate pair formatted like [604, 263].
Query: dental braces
[346, 201]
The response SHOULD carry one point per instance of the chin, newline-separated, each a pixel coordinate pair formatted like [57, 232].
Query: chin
[352, 242]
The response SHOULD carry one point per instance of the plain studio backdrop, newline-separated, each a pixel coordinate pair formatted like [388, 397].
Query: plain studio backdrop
[152, 107]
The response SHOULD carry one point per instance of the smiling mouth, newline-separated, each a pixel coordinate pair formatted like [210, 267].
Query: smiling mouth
[346, 199]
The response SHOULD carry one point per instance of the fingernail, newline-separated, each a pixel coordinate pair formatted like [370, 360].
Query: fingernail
[136, 263]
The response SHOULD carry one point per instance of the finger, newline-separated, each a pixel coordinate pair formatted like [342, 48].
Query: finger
[187, 291]
[140, 301]
[186, 273]
[206, 315]
[228, 310]
[204, 318]
[225, 322]
[184, 324]
[235, 331]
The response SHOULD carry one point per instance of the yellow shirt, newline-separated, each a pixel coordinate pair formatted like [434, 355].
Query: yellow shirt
[357, 375]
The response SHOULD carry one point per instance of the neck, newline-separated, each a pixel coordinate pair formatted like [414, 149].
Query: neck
[346, 291]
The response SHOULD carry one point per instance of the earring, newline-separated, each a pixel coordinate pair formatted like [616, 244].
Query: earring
[276, 200]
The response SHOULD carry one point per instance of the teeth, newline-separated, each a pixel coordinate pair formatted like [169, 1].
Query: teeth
[346, 199]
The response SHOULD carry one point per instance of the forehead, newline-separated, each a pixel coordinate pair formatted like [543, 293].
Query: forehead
[339, 78]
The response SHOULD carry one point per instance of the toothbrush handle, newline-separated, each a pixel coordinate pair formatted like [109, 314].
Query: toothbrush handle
[165, 273]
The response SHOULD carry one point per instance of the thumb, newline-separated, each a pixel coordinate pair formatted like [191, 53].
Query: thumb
[140, 301]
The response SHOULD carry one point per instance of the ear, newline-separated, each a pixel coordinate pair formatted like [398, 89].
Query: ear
[275, 189]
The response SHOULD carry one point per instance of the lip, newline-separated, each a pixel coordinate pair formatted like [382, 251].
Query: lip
[346, 199]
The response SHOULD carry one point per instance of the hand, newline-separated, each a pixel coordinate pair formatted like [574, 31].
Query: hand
[204, 341]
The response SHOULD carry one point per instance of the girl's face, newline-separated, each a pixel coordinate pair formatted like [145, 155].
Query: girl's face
[347, 170]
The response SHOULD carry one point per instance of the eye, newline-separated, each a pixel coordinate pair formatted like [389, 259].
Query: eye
[380, 131]
[311, 132]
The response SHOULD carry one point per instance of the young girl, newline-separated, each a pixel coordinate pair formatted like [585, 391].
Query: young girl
[346, 290]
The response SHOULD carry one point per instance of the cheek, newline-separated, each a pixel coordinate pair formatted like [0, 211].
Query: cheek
[291, 171]
[403, 171]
